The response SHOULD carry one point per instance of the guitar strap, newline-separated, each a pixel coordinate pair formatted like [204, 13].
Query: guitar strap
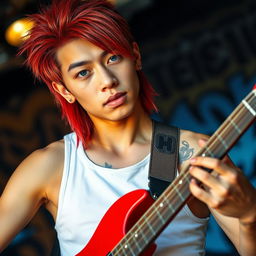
[164, 157]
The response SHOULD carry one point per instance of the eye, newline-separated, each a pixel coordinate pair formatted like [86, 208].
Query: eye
[83, 73]
[114, 58]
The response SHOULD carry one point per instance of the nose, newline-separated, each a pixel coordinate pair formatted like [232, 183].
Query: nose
[107, 79]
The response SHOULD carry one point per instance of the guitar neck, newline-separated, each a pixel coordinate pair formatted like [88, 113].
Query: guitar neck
[166, 207]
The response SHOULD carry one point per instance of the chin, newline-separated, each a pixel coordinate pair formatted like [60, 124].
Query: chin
[126, 113]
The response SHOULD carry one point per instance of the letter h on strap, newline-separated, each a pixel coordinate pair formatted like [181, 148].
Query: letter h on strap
[164, 157]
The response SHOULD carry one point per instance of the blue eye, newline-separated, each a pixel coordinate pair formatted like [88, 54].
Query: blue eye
[83, 73]
[114, 58]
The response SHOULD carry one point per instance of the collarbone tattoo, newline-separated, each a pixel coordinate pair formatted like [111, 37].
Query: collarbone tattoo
[107, 165]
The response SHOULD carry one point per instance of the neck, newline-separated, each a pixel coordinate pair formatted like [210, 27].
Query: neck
[120, 135]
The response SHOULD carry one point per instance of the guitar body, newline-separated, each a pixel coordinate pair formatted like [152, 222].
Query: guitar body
[117, 221]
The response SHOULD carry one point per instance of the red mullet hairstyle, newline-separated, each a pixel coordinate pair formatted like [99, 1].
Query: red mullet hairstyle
[93, 20]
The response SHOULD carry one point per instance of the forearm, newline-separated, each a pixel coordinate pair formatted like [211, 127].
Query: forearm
[247, 238]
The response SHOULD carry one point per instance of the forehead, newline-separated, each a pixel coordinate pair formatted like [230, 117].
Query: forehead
[77, 50]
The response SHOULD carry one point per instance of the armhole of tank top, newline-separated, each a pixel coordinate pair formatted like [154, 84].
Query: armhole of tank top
[189, 213]
[67, 150]
[193, 217]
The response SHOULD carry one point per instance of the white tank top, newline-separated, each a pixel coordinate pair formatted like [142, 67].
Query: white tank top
[88, 190]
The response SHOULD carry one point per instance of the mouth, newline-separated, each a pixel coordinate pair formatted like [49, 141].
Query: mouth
[116, 100]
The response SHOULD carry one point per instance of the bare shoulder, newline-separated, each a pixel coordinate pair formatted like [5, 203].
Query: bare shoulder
[37, 170]
[50, 156]
[27, 189]
[45, 159]
[191, 136]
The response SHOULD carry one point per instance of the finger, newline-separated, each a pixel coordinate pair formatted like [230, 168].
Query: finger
[212, 163]
[203, 195]
[208, 179]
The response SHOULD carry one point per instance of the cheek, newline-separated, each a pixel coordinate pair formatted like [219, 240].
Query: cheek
[128, 74]
[135, 83]
[87, 101]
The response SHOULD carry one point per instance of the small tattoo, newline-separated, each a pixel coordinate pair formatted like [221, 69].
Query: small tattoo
[185, 151]
[106, 165]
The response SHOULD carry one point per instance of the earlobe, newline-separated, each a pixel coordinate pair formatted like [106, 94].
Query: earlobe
[62, 90]
[136, 52]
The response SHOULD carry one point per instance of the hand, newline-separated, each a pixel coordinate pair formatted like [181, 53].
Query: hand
[226, 189]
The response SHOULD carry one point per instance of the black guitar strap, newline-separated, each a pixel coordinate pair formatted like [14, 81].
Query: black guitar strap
[164, 157]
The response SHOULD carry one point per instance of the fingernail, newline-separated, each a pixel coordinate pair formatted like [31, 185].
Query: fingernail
[192, 160]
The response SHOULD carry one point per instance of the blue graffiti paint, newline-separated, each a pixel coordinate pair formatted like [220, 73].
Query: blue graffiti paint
[206, 121]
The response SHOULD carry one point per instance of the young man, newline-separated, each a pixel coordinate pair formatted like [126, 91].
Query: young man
[84, 52]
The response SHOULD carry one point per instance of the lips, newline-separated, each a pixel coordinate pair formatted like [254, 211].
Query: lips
[116, 99]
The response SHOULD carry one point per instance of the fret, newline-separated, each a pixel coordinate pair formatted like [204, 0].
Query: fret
[210, 153]
[171, 207]
[187, 178]
[160, 217]
[135, 240]
[243, 120]
[153, 231]
[130, 245]
[136, 247]
[126, 248]
[177, 190]
[235, 125]
[123, 246]
[184, 189]
[142, 233]
[223, 142]
[249, 107]
[167, 202]
[162, 210]
[252, 101]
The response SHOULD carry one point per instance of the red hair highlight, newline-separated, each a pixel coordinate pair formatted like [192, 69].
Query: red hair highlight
[93, 20]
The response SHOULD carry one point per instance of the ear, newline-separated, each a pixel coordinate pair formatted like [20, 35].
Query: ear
[136, 53]
[62, 90]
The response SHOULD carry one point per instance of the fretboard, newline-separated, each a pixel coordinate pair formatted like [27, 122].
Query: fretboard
[166, 207]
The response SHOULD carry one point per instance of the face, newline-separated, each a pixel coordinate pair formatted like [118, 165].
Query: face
[105, 84]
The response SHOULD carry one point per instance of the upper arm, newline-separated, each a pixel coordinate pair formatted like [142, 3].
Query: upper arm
[189, 146]
[24, 194]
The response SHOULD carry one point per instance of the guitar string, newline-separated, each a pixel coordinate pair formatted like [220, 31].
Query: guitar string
[144, 221]
[145, 217]
[163, 213]
[147, 229]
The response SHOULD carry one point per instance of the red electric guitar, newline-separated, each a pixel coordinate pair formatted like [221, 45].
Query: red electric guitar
[134, 221]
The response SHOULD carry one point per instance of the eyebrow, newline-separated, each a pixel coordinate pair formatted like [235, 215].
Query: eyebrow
[77, 64]
[84, 62]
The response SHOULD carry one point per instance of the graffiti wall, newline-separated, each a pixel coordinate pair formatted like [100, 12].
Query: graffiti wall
[201, 57]
[29, 120]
